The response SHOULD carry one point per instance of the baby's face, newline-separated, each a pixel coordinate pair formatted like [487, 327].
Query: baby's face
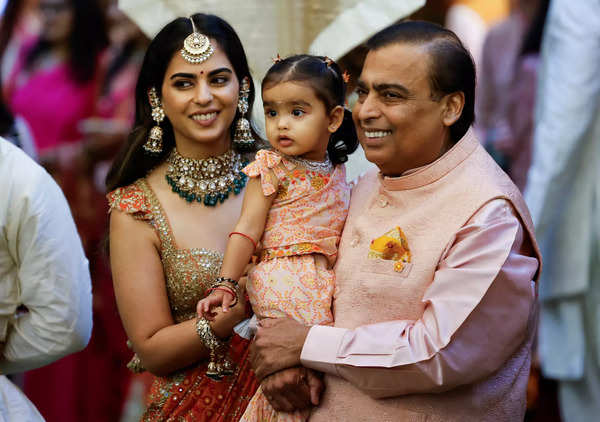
[296, 121]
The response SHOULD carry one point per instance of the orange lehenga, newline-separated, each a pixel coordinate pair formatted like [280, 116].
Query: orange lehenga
[187, 395]
[294, 276]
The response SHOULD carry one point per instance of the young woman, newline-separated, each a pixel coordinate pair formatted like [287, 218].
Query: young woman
[174, 198]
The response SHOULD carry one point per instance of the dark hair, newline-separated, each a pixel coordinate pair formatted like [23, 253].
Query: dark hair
[451, 67]
[324, 76]
[10, 17]
[132, 162]
[87, 39]
[533, 38]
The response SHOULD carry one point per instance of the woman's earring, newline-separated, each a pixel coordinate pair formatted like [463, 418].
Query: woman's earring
[242, 137]
[153, 145]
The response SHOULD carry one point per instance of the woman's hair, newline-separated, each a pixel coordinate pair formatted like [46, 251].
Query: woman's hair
[132, 162]
[451, 67]
[87, 39]
[10, 18]
[325, 77]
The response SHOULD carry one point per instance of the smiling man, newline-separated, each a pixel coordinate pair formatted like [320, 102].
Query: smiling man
[435, 280]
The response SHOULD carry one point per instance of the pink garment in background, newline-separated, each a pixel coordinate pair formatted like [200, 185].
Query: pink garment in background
[506, 94]
[51, 102]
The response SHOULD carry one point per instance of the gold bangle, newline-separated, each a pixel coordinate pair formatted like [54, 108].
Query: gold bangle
[207, 335]
[219, 365]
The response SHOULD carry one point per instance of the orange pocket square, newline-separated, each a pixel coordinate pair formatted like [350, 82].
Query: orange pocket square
[391, 246]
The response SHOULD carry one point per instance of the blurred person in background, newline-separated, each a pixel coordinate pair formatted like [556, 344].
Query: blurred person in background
[471, 19]
[563, 194]
[108, 128]
[45, 298]
[54, 81]
[19, 23]
[507, 87]
[53, 87]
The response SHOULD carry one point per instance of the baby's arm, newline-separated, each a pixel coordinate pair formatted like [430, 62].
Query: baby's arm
[240, 247]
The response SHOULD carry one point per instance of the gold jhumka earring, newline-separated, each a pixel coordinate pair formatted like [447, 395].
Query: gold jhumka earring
[242, 137]
[153, 145]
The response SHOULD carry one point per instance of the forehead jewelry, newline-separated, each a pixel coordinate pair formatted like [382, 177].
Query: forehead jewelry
[196, 46]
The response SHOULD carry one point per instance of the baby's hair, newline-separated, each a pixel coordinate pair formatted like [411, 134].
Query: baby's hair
[325, 77]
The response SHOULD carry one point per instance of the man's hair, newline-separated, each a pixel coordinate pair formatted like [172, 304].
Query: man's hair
[451, 67]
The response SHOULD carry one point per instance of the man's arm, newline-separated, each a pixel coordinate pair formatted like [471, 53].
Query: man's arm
[478, 311]
[51, 272]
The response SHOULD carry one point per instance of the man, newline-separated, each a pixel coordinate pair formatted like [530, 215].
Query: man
[45, 289]
[564, 196]
[435, 290]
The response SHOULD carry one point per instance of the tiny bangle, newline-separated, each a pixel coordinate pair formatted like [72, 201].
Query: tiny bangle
[246, 236]
[225, 280]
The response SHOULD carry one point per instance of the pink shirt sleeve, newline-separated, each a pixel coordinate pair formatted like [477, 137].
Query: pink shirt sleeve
[478, 310]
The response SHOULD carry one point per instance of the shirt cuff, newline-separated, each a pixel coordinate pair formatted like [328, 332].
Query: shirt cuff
[320, 350]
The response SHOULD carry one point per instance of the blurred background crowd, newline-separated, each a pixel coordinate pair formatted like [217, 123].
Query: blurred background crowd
[68, 73]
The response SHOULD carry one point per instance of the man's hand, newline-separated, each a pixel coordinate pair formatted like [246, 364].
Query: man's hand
[293, 389]
[277, 345]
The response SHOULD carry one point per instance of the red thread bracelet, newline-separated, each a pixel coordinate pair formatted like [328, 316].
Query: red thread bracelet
[224, 289]
[246, 236]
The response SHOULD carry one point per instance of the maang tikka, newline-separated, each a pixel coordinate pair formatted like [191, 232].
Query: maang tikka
[196, 46]
[242, 137]
[154, 145]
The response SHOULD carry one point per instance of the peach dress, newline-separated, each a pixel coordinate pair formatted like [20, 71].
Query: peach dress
[294, 276]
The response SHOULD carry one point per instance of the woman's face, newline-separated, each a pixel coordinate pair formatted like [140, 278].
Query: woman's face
[57, 20]
[200, 101]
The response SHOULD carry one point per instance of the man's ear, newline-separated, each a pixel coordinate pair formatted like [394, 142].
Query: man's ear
[336, 117]
[452, 107]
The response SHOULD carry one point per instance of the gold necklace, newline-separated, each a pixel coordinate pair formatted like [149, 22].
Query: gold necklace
[208, 180]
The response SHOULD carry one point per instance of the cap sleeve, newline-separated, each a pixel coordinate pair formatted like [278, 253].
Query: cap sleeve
[265, 161]
[130, 200]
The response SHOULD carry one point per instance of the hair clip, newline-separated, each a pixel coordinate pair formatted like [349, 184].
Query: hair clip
[277, 59]
[328, 61]
[346, 76]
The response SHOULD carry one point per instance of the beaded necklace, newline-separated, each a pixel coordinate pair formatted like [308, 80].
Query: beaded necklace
[208, 180]
[324, 166]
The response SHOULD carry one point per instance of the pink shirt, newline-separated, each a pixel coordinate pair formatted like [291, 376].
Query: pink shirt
[456, 319]
[479, 246]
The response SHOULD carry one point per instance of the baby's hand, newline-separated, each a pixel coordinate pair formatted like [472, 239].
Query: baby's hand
[222, 297]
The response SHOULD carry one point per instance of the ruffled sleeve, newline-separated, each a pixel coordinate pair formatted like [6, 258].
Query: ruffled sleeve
[130, 200]
[265, 160]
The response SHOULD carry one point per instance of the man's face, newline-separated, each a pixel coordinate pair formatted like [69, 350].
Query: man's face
[399, 125]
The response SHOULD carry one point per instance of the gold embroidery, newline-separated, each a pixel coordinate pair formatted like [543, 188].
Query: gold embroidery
[188, 272]
[297, 249]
